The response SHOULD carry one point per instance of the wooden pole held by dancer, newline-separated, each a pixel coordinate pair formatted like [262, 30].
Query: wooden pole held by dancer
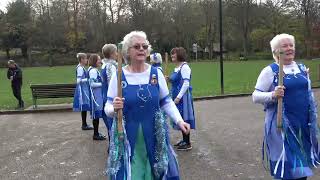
[280, 83]
[119, 93]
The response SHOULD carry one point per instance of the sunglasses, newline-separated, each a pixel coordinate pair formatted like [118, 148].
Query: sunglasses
[138, 46]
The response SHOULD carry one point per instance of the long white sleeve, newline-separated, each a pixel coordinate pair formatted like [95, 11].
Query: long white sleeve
[262, 97]
[171, 110]
[262, 92]
[80, 80]
[186, 76]
[168, 107]
[113, 71]
[112, 93]
[183, 89]
[108, 109]
[93, 75]
[80, 72]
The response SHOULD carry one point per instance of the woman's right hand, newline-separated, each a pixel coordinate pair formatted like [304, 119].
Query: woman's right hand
[278, 92]
[118, 103]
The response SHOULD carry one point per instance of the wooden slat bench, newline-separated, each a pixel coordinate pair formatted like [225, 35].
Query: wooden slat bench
[42, 91]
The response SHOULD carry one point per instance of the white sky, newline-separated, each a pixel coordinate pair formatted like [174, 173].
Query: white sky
[3, 4]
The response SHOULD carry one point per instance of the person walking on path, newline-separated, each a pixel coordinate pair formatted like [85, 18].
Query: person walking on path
[14, 74]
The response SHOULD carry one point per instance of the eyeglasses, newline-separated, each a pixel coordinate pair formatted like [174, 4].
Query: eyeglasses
[138, 46]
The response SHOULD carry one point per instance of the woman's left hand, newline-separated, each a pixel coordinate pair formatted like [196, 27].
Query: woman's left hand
[176, 100]
[185, 127]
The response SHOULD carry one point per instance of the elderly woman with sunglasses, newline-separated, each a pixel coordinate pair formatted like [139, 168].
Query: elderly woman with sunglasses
[145, 96]
[292, 150]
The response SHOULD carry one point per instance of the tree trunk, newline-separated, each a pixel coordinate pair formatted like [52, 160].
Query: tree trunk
[24, 52]
[75, 23]
[210, 39]
[8, 53]
[29, 56]
[307, 34]
[246, 28]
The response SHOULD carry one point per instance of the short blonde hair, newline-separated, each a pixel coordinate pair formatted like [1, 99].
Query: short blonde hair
[127, 42]
[276, 42]
[108, 49]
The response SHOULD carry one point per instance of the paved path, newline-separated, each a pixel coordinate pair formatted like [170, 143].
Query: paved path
[226, 145]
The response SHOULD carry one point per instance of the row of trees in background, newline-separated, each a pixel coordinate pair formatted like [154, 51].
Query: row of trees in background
[85, 25]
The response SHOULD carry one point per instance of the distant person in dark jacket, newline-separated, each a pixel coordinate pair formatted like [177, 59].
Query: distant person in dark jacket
[14, 74]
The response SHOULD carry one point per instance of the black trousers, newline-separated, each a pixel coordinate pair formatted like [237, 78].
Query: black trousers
[16, 89]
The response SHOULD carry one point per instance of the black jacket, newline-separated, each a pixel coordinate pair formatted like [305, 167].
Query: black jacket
[17, 75]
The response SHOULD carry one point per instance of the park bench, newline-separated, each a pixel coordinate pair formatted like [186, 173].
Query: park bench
[43, 91]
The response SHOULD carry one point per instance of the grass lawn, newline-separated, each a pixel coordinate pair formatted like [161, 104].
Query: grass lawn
[239, 77]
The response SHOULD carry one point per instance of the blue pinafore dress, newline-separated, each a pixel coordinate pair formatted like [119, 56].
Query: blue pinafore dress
[292, 153]
[81, 99]
[157, 65]
[96, 96]
[185, 106]
[151, 156]
[107, 120]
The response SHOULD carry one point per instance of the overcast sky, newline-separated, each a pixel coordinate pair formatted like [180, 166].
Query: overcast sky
[3, 4]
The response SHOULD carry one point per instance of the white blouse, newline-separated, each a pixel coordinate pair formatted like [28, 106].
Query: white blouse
[143, 78]
[262, 92]
[186, 74]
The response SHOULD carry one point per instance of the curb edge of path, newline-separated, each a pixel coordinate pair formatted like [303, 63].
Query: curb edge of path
[67, 109]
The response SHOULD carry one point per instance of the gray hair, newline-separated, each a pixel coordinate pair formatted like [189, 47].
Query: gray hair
[11, 62]
[108, 49]
[275, 43]
[127, 42]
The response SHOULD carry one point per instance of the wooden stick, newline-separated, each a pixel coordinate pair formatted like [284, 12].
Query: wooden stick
[280, 83]
[166, 65]
[119, 81]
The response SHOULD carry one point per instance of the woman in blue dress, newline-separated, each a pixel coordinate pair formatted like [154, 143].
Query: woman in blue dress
[181, 92]
[95, 82]
[293, 150]
[81, 100]
[109, 67]
[149, 155]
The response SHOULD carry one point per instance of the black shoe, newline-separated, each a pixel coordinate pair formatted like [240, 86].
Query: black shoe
[87, 127]
[184, 147]
[99, 137]
[178, 143]
[22, 105]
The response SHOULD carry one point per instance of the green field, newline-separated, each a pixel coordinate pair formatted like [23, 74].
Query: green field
[239, 77]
